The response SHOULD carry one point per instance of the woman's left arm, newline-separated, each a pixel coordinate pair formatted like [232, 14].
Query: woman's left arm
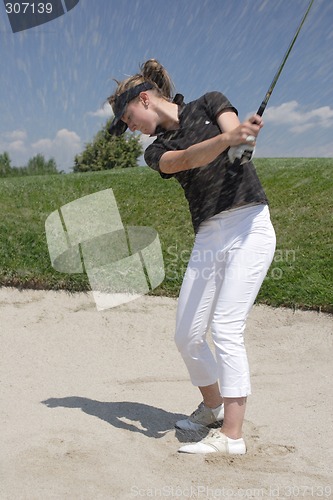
[228, 121]
[233, 133]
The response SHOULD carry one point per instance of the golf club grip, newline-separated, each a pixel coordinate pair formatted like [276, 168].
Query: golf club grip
[247, 154]
[261, 109]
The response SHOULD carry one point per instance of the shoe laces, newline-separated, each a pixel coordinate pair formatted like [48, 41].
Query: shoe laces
[198, 410]
[214, 433]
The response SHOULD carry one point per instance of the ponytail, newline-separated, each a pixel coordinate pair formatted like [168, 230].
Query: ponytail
[152, 72]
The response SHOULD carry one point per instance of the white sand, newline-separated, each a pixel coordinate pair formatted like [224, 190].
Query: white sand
[89, 400]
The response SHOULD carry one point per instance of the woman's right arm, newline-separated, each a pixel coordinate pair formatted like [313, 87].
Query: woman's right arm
[199, 155]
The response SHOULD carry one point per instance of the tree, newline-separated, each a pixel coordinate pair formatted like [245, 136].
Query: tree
[39, 166]
[5, 165]
[107, 152]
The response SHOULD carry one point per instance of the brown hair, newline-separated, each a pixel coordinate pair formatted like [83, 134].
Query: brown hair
[151, 71]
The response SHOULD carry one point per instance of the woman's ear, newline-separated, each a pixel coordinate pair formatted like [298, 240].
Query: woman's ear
[144, 98]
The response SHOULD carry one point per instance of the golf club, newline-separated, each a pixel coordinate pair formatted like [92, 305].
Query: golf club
[247, 154]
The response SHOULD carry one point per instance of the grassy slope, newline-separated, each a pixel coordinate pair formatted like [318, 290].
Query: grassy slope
[300, 193]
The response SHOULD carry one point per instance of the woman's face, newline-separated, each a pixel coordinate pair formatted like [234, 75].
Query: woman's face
[140, 115]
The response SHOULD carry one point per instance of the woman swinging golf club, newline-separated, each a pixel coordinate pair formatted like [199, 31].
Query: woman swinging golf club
[197, 143]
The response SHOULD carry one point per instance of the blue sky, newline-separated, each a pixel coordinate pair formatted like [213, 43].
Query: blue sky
[56, 77]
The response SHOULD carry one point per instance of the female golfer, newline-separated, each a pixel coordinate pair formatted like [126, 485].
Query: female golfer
[196, 143]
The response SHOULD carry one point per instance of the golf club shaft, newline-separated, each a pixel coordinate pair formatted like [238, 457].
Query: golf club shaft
[262, 107]
[276, 77]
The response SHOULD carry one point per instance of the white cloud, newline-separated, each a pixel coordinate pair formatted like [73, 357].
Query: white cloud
[63, 147]
[296, 119]
[15, 135]
[13, 142]
[42, 144]
[63, 137]
[104, 112]
[17, 147]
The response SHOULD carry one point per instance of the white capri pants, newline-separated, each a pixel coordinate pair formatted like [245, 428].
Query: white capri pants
[229, 261]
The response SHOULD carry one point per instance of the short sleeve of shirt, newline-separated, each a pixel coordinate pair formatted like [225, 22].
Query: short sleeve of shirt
[153, 155]
[216, 102]
[192, 117]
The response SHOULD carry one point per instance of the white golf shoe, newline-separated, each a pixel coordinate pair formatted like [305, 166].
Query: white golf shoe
[202, 418]
[216, 442]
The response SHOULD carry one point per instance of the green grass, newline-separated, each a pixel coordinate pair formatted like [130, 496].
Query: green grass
[300, 193]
